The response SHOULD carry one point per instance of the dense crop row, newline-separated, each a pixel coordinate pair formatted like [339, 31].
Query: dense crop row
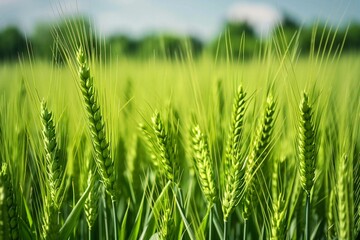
[263, 149]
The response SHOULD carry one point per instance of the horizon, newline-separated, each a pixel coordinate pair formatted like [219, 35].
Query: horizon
[139, 18]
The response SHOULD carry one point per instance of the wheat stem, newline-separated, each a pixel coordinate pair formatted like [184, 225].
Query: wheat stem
[210, 223]
[225, 228]
[307, 217]
[245, 229]
[114, 219]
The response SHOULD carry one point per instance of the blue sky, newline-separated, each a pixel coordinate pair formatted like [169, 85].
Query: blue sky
[203, 18]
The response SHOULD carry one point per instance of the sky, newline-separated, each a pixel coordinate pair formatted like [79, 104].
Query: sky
[202, 18]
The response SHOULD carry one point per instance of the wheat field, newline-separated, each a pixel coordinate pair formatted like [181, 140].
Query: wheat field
[206, 148]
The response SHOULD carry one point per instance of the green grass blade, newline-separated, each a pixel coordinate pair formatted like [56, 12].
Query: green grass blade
[136, 230]
[72, 220]
[25, 231]
[181, 211]
[122, 234]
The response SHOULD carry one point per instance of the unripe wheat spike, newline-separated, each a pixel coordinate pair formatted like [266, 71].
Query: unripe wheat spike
[104, 162]
[203, 164]
[343, 209]
[306, 145]
[9, 219]
[92, 201]
[233, 166]
[55, 168]
[278, 219]
[259, 152]
[165, 148]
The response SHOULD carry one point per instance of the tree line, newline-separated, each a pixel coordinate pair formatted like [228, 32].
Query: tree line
[237, 39]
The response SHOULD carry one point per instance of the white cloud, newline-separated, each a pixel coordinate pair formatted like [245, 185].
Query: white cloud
[9, 2]
[259, 15]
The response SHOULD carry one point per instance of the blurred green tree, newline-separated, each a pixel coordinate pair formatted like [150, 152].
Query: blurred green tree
[12, 43]
[238, 40]
[69, 33]
[169, 46]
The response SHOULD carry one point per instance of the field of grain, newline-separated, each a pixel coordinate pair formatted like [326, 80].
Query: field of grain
[265, 148]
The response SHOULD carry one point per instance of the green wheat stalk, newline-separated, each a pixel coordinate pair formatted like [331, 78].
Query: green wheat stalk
[55, 171]
[307, 154]
[233, 166]
[103, 160]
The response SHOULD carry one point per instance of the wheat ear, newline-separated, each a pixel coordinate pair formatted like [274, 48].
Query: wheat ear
[343, 209]
[233, 166]
[307, 155]
[103, 160]
[330, 215]
[166, 149]
[356, 176]
[306, 143]
[259, 152]
[278, 223]
[9, 218]
[92, 201]
[55, 168]
[149, 142]
[166, 224]
[203, 164]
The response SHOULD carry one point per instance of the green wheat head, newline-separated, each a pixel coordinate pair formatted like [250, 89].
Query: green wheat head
[166, 149]
[236, 128]
[50, 225]
[306, 145]
[356, 174]
[148, 139]
[278, 223]
[104, 162]
[166, 224]
[343, 208]
[55, 168]
[233, 166]
[258, 154]
[92, 201]
[203, 164]
[9, 218]
[330, 215]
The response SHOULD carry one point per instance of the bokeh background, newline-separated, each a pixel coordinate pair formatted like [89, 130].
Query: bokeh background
[136, 27]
